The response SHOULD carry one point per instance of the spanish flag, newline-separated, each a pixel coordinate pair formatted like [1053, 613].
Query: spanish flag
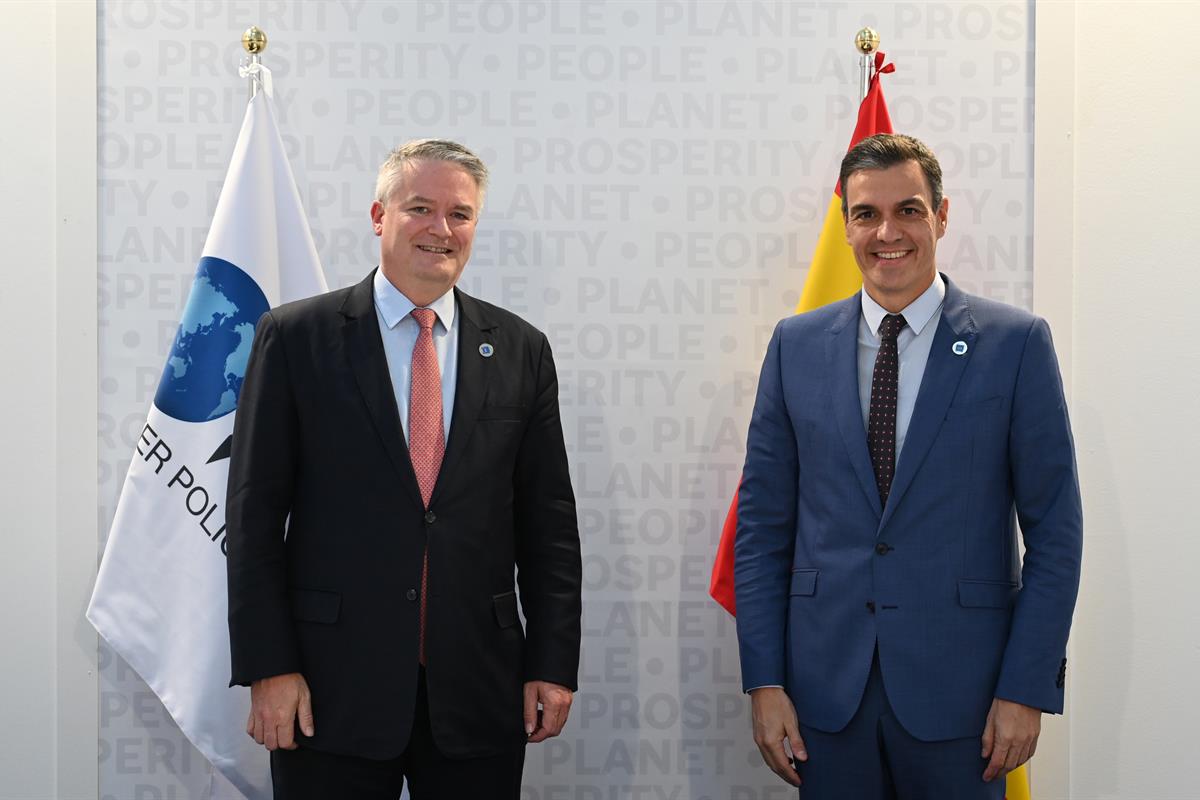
[832, 276]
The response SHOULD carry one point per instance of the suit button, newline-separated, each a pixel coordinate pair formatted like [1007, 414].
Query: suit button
[430, 517]
[411, 594]
[882, 548]
[871, 606]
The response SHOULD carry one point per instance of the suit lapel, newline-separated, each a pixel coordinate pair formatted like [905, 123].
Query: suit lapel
[364, 350]
[470, 389]
[841, 351]
[943, 371]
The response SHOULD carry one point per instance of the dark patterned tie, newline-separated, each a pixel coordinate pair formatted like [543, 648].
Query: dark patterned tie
[426, 431]
[881, 425]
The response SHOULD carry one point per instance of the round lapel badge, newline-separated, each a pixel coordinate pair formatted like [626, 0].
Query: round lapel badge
[959, 348]
[486, 350]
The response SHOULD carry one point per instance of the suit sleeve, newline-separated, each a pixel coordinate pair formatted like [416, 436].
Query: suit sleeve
[262, 636]
[549, 567]
[1046, 495]
[766, 529]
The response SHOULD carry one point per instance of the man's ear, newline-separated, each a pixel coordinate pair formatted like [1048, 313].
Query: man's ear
[943, 213]
[377, 217]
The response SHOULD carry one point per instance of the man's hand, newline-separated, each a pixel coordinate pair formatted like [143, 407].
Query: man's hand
[1009, 736]
[555, 701]
[774, 723]
[274, 703]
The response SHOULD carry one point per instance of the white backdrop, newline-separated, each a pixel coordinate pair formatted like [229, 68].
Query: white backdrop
[1134, 701]
[660, 171]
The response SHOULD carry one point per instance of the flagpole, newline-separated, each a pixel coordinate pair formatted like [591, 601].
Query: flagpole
[866, 42]
[254, 40]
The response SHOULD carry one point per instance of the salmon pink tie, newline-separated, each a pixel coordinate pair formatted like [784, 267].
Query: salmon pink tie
[426, 432]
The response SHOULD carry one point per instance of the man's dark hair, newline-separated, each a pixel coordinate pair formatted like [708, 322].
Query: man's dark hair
[884, 150]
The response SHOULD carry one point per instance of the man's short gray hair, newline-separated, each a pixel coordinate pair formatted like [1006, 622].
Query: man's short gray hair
[428, 150]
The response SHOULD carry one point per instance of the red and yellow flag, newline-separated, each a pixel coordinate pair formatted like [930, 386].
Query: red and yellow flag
[832, 276]
[1017, 787]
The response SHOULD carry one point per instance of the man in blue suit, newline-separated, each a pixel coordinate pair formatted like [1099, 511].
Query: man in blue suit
[891, 636]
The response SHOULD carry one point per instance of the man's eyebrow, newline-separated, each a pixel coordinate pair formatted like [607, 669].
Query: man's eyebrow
[429, 202]
[915, 200]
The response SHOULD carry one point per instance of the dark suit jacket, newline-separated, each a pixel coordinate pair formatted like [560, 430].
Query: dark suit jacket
[824, 574]
[318, 437]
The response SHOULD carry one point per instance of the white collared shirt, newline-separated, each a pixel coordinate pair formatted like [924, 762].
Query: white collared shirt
[399, 331]
[913, 345]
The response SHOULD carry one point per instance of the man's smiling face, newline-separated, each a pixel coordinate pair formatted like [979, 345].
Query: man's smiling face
[893, 229]
[426, 228]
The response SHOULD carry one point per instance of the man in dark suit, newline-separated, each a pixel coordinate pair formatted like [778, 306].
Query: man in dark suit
[889, 632]
[407, 438]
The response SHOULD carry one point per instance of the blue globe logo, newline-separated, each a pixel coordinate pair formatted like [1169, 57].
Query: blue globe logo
[203, 375]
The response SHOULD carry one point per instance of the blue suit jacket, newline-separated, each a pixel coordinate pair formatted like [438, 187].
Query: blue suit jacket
[823, 574]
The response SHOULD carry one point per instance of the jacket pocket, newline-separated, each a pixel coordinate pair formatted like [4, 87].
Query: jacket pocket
[316, 605]
[804, 583]
[503, 412]
[986, 594]
[505, 608]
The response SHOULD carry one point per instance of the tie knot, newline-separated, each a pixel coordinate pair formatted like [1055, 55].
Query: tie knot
[425, 317]
[891, 326]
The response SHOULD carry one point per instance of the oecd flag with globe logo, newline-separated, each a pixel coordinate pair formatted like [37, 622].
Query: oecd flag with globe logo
[160, 597]
[204, 373]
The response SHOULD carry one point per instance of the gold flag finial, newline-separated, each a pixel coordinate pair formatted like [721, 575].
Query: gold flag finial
[254, 40]
[866, 41]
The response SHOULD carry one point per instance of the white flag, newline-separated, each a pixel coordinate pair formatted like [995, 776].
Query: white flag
[160, 596]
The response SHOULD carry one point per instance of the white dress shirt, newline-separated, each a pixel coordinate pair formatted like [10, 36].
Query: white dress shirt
[399, 331]
[913, 344]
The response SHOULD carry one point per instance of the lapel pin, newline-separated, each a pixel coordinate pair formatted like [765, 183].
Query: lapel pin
[959, 348]
[486, 350]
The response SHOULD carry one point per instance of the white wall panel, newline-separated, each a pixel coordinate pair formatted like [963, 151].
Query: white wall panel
[1134, 653]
